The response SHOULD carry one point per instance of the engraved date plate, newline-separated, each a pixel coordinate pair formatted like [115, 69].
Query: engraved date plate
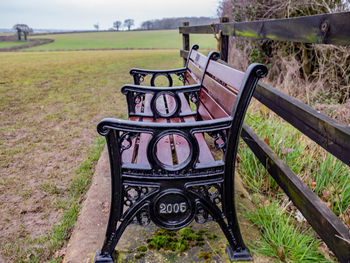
[172, 210]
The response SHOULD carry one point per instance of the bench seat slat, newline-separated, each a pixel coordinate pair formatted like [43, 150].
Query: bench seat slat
[164, 153]
[205, 155]
[144, 137]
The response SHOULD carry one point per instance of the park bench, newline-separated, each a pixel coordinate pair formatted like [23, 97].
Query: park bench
[173, 161]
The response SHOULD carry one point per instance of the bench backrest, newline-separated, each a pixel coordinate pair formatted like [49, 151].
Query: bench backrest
[196, 64]
[220, 87]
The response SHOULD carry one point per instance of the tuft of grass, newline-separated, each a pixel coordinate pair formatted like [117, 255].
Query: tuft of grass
[281, 237]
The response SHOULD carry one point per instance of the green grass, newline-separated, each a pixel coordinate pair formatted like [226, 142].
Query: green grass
[162, 39]
[282, 238]
[50, 104]
[323, 173]
[12, 44]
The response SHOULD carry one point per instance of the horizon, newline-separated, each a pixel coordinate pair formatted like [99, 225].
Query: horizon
[84, 14]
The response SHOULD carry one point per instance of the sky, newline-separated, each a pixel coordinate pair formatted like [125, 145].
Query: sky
[83, 14]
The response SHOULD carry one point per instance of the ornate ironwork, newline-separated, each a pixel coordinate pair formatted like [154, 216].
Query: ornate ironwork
[202, 216]
[172, 196]
[220, 139]
[181, 76]
[125, 140]
[142, 218]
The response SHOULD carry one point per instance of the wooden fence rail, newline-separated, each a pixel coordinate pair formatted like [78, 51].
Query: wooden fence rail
[327, 132]
[319, 29]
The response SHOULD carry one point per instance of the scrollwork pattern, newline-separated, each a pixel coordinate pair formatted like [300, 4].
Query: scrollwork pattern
[125, 140]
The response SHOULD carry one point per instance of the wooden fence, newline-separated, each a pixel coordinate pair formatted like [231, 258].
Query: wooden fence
[328, 133]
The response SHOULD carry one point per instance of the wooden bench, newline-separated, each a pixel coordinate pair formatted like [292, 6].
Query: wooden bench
[190, 74]
[172, 162]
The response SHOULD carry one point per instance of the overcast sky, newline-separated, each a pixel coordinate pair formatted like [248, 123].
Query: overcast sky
[83, 14]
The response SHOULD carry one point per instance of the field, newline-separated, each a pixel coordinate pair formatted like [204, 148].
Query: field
[48, 113]
[50, 103]
[134, 39]
[11, 44]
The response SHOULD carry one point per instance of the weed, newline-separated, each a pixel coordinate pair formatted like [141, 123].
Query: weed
[282, 238]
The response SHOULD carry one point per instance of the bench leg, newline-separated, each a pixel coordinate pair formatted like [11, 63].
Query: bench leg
[236, 249]
[102, 258]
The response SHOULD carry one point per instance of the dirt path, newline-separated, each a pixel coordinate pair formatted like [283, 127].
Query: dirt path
[89, 232]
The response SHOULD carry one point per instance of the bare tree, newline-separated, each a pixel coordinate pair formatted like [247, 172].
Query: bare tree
[97, 26]
[129, 23]
[147, 25]
[22, 28]
[117, 24]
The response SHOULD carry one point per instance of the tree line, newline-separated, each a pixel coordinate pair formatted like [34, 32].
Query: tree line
[175, 22]
[164, 23]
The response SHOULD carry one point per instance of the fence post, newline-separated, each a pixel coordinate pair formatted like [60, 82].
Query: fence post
[224, 42]
[185, 40]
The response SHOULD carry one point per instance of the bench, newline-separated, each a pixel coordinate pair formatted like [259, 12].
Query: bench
[173, 161]
[190, 74]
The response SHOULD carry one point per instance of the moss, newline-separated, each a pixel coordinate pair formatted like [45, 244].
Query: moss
[251, 34]
[138, 256]
[142, 249]
[177, 241]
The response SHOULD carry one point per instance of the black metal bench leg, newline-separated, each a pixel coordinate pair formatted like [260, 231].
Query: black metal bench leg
[236, 250]
[104, 255]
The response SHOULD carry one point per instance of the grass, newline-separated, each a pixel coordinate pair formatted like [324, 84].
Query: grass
[50, 104]
[282, 238]
[11, 44]
[159, 39]
[323, 173]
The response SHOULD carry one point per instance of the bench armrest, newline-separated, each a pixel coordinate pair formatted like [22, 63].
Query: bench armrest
[151, 89]
[136, 94]
[139, 75]
[107, 124]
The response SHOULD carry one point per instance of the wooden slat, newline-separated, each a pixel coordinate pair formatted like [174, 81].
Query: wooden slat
[144, 137]
[328, 133]
[195, 70]
[206, 101]
[326, 29]
[330, 228]
[225, 97]
[181, 146]
[205, 155]
[164, 152]
[198, 59]
[191, 79]
[226, 74]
